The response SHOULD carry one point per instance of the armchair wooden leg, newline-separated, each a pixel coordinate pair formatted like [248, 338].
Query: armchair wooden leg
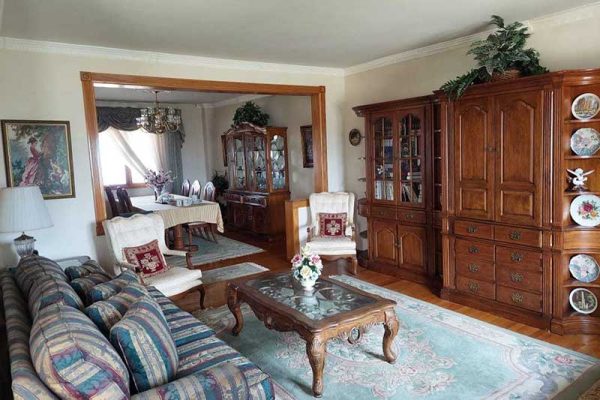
[354, 262]
[202, 296]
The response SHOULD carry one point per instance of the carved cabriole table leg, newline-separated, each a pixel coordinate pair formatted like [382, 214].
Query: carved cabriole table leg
[234, 306]
[391, 326]
[315, 349]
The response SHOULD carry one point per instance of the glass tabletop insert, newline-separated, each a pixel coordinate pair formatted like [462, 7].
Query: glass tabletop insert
[326, 299]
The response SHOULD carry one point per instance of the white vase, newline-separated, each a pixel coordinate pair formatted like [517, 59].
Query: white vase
[308, 284]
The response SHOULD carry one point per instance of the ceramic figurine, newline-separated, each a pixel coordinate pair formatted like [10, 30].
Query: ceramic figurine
[578, 179]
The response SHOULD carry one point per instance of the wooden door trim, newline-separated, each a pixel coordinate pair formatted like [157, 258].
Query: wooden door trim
[292, 225]
[88, 79]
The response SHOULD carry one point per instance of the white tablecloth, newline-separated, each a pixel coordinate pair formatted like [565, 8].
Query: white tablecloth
[207, 211]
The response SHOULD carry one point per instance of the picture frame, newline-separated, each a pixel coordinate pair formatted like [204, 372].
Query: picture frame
[307, 146]
[224, 147]
[39, 153]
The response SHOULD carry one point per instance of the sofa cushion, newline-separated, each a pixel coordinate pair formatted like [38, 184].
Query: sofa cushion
[84, 284]
[332, 224]
[144, 341]
[34, 268]
[85, 269]
[73, 358]
[52, 291]
[147, 258]
[107, 289]
[185, 328]
[108, 312]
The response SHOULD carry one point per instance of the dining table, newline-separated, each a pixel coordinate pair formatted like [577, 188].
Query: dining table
[176, 216]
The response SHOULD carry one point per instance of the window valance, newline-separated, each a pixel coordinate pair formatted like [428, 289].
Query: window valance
[125, 119]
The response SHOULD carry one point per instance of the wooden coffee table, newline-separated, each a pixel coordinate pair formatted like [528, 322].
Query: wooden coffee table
[332, 309]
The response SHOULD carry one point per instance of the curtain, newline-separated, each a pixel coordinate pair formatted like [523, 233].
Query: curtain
[169, 154]
[121, 118]
[123, 140]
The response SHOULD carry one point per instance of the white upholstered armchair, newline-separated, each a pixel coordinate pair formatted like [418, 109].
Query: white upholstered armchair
[140, 229]
[333, 247]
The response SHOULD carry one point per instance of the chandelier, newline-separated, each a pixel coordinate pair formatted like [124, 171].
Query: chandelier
[159, 120]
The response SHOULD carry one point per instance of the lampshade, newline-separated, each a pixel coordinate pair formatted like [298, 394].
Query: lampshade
[23, 209]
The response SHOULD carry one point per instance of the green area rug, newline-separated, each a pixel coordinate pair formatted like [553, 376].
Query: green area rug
[442, 355]
[231, 272]
[225, 249]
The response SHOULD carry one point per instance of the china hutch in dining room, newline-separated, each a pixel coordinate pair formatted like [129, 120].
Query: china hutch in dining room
[257, 164]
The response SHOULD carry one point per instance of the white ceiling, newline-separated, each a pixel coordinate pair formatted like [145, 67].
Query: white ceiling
[333, 33]
[174, 97]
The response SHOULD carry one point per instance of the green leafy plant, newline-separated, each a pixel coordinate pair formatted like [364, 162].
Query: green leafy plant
[221, 183]
[250, 112]
[502, 52]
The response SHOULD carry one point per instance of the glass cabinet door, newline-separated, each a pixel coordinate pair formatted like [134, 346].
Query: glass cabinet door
[278, 166]
[384, 189]
[239, 166]
[411, 158]
[256, 163]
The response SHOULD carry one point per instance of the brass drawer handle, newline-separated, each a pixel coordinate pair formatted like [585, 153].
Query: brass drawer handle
[516, 277]
[473, 250]
[516, 257]
[473, 287]
[515, 235]
[473, 267]
[517, 298]
[471, 229]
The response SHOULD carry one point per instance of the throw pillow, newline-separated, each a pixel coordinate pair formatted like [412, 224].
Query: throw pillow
[52, 291]
[32, 269]
[85, 269]
[332, 225]
[73, 358]
[147, 257]
[107, 289]
[106, 313]
[84, 284]
[144, 340]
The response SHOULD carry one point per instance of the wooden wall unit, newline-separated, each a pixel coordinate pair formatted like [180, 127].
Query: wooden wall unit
[404, 187]
[507, 235]
[257, 162]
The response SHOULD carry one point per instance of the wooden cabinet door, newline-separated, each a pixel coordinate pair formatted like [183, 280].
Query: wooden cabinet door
[259, 220]
[383, 242]
[519, 128]
[474, 158]
[411, 248]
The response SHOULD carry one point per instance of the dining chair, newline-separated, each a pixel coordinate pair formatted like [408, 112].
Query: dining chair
[185, 188]
[124, 201]
[195, 189]
[110, 196]
[142, 229]
[203, 229]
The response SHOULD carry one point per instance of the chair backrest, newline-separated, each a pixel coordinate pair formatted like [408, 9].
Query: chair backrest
[134, 231]
[185, 188]
[208, 192]
[325, 202]
[124, 200]
[110, 196]
[195, 189]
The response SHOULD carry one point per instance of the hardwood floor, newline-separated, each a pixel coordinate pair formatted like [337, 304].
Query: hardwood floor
[274, 259]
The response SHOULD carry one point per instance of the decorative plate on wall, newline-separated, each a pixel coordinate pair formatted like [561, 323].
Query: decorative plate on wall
[585, 210]
[584, 268]
[583, 301]
[586, 106]
[585, 142]
[354, 137]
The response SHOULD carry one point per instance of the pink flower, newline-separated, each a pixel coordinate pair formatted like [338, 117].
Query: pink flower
[563, 359]
[315, 259]
[296, 258]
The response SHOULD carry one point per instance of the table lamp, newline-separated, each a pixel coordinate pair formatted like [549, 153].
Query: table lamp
[23, 209]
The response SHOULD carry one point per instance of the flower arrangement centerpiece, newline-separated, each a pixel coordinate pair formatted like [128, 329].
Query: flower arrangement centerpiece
[306, 268]
[158, 180]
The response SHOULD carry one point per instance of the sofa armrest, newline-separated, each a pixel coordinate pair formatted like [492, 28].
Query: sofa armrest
[225, 381]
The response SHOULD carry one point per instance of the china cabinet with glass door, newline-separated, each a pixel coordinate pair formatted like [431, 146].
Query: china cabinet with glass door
[399, 202]
[258, 169]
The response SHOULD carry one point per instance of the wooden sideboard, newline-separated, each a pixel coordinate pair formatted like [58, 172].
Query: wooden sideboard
[257, 163]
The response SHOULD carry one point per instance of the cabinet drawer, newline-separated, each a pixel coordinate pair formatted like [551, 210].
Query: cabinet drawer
[260, 201]
[473, 229]
[528, 237]
[412, 216]
[383, 212]
[519, 278]
[519, 298]
[475, 269]
[473, 249]
[476, 287]
[512, 257]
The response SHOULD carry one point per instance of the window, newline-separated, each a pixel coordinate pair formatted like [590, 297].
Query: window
[116, 167]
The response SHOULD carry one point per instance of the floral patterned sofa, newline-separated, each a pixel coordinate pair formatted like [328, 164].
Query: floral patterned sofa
[70, 357]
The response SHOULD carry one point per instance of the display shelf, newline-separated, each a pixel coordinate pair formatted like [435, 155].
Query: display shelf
[575, 157]
[582, 121]
[575, 194]
[574, 283]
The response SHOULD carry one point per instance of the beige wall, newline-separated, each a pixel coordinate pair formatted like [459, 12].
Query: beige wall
[564, 43]
[288, 111]
[45, 86]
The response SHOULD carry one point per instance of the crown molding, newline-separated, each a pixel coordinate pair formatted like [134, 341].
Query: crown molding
[8, 43]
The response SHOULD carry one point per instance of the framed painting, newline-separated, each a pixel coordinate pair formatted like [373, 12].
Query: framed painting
[39, 153]
[307, 146]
